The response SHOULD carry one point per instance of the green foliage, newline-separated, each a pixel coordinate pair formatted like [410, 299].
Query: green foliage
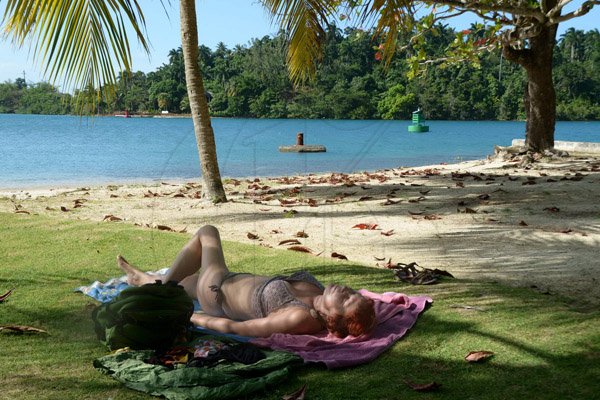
[350, 82]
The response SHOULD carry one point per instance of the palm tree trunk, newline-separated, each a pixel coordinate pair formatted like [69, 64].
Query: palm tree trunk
[205, 138]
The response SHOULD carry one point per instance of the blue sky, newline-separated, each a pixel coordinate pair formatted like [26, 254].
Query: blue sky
[229, 21]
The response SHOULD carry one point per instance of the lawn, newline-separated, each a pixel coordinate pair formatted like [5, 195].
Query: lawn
[543, 348]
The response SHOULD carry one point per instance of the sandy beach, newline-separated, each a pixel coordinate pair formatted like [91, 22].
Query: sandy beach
[503, 219]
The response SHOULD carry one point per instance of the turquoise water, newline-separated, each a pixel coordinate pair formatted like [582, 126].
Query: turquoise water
[40, 150]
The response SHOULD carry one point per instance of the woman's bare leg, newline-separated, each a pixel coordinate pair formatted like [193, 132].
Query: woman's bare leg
[135, 277]
[199, 266]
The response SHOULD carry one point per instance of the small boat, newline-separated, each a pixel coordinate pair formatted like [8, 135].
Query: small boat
[125, 115]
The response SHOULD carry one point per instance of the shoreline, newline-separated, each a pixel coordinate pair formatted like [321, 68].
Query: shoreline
[501, 219]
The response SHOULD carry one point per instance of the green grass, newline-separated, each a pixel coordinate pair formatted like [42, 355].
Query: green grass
[543, 348]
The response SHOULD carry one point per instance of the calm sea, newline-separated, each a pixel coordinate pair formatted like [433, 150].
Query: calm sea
[40, 150]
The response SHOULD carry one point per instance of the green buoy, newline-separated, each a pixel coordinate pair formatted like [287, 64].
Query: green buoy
[417, 126]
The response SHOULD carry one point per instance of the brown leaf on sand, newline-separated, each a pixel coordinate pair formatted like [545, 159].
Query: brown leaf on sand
[338, 255]
[289, 241]
[21, 329]
[22, 212]
[287, 202]
[523, 223]
[423, 387]
[365, 198]
[390, 202]
[251, 236]
[297, 395]
[165, 228]
[301, 234]
[379, 258]
[276, 231]
[431, 217]
[302, 249]
[5, 295]
[111, 218]
[478, 356]
[388, 233]
[369, 227]
[64, 209]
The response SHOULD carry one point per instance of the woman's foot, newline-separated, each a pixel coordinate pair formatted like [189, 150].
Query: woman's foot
[135, 277]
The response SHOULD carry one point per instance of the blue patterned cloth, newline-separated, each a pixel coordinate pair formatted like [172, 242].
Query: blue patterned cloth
[106, 291]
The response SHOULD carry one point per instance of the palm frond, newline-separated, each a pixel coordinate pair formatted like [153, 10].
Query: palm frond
[83, 43]
[304, 21]
[389, 17]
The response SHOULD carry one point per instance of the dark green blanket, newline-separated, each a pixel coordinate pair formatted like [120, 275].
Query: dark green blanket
[225, 380]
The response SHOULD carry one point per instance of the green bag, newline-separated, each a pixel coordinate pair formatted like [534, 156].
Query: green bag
[152, 316]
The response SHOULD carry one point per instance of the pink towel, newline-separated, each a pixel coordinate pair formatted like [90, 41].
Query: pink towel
[396, 314]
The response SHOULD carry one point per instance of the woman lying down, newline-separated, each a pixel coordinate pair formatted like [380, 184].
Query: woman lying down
[254, 305]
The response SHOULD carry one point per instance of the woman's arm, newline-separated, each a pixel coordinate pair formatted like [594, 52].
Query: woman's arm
[289, 320]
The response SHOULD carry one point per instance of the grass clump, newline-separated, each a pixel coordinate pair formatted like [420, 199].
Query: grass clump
[543, 348]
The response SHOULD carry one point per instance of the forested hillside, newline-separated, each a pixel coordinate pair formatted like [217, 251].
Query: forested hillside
[351, 83]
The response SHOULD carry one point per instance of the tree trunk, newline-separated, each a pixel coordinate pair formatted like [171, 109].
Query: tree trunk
[540, 97]
[205, 139]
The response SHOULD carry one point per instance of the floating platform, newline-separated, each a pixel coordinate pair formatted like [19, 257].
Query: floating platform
[418, 128]
[303, 148]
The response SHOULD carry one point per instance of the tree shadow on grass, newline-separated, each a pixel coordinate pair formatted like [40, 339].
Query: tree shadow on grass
[519, 370]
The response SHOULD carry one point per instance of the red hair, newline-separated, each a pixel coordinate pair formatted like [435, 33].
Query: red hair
[360, 321]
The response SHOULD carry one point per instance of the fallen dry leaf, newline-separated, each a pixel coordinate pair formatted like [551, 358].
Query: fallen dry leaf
[379, 258]
[5, 295]
[289, 241]
[390, 202]
[297, 395]
[424, 387]
[111, 218]
[64, 209]
[523, 223]
[338, 255]
[164, 228]
[365, 198]
[388, 233]
[301, 234]
[21, 329]
[302, 249]
[251, 236]
[365, 226]
[275, 231]
[478, 356]
[24, 211]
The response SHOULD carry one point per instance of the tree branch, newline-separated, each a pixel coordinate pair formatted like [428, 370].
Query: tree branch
[584, 9]
[506, 8]
[519, 56]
